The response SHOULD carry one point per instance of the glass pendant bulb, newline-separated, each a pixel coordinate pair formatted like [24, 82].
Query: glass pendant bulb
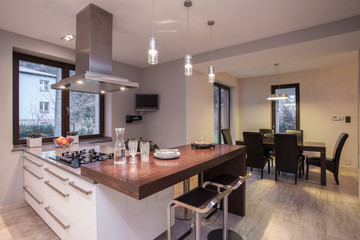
[153, 52]
[211, 74]
[188, 65]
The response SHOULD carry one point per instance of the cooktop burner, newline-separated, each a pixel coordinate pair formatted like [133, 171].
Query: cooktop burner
[76, 158]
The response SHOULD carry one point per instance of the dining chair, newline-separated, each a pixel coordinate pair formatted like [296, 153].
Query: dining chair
[300, 140]
[255, 157]
[267, 151]
[332, 164]
[227, 136]
[286, 155]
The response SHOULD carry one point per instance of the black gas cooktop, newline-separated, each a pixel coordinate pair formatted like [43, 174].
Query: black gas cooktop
[76, 158]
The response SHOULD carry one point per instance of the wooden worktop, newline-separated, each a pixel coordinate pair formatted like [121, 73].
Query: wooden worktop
[142, 179]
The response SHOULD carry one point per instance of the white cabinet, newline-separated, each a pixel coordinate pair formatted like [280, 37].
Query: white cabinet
[64, 201]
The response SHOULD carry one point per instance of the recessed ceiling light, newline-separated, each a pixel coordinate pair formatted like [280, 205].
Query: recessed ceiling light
[102, 92]
[123, 88]
[68, 37]
[62, 87]
[80, 82]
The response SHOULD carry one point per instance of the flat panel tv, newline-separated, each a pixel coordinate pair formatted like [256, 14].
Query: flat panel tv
[146, 102]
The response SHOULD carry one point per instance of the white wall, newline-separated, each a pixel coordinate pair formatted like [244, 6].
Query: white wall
[323, 93]
[117, 106]
[167, 126]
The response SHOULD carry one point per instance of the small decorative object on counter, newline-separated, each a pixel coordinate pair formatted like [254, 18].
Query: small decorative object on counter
[202, 145]
[34, 140]
[74, 136]
[63, 141]
[119, 148]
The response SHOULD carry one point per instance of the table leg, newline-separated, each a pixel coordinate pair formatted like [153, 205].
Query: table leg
[323, 168]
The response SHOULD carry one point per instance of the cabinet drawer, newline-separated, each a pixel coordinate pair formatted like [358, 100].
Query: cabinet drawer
[35, 200]
[33, 162]
[34, 178]
[59, 223]
[56, 173]
[59, 196]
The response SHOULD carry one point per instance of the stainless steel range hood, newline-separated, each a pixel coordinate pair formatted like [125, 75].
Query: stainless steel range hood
[93, 64]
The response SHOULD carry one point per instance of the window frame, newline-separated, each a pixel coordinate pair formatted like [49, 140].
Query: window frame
[44, 107]
[297, 94]
[220, 86]
[65, 101]
[45, 86]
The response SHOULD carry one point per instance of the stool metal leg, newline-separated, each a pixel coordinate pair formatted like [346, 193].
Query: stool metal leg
[224, 233]
[225, 218]
[169, 220]
[198, 226]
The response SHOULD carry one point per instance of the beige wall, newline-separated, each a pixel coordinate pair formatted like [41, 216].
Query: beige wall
[323, 93]
[117, 106]
[167, 126]
[200, 106]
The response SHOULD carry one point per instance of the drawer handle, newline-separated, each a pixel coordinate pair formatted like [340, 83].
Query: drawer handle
[56, 219]
[55, 175]
[36, 164]
[80, 189]
[64, 195]
[28, 170]
[31, 195]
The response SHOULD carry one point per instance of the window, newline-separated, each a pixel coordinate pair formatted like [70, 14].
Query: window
[221, 111]
[44, 107]
[44, 85]
[285, 113]
[39, 109]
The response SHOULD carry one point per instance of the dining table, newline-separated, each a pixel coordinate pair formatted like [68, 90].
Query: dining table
[304, 146]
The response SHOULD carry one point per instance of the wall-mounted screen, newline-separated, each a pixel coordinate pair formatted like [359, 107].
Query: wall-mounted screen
[146, 102]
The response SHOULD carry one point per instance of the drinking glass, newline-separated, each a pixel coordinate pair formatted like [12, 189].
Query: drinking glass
[133, 144]
[144, 150]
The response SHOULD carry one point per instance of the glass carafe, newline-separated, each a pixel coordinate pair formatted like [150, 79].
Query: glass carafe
[119, 148]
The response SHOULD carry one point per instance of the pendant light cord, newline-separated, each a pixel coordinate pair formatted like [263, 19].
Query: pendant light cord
[211, 45]
[188, 48]
[152, 18]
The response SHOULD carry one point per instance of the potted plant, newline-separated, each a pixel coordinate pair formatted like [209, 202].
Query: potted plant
[74, 136]
[34, 140]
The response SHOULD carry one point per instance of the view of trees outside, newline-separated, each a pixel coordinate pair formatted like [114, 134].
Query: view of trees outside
[285, 111]
[221, 105]
[39, 106]
[84, 112]
[216, 114]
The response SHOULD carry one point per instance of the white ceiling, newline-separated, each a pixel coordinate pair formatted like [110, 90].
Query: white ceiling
[236, 21]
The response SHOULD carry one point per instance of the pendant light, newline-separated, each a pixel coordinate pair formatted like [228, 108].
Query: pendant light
[188, 58]
[277, 96]
[211, 76]
[153, 55]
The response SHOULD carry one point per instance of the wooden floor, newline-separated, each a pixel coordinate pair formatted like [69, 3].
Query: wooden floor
[22, 222]
[275, 210]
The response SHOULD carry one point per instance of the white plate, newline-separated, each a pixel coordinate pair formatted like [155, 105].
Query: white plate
[168, 155]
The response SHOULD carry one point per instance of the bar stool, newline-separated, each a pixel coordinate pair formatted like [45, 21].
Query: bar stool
[225, 181]
[200, 200]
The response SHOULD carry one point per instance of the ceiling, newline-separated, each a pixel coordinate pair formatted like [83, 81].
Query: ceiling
[236, 22]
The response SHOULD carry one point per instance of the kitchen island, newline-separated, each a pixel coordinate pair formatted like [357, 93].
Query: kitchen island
[129, 201]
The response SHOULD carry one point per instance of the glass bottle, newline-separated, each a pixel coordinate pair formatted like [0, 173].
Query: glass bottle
[119, 148]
